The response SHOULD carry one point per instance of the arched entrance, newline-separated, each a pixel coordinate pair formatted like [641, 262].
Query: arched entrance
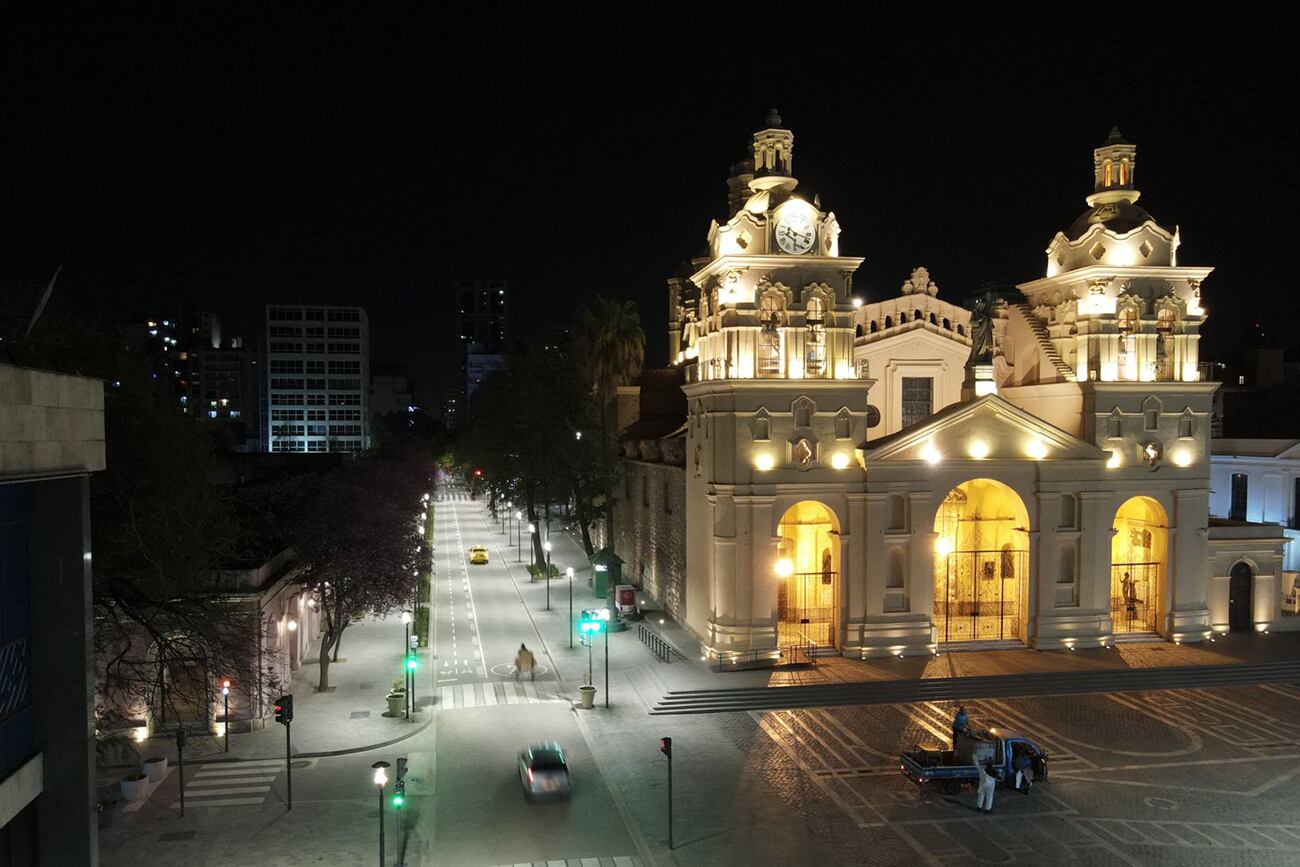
[981, 563]
[1241, 597]
[1139, 551]
[808, 569]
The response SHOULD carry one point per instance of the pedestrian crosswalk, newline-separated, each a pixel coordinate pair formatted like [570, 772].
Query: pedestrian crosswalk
[231, 784]
[604, 861]
[467, 695]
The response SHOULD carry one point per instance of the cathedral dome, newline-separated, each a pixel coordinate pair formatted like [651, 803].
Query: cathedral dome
[1119, 217]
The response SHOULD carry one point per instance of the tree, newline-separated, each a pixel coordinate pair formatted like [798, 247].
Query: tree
[610, 344]
[356, 530]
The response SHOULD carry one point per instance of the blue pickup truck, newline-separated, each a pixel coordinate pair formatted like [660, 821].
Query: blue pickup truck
[951, 770]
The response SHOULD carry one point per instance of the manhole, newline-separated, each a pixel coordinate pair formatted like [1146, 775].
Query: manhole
[361, 714]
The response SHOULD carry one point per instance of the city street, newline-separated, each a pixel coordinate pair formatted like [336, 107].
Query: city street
[1171, 777]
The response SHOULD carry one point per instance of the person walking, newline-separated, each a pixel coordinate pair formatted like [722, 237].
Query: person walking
[960, 724]
[988, 783]
[524, 663]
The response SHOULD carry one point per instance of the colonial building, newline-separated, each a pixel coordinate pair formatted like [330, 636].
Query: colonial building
[907, 474]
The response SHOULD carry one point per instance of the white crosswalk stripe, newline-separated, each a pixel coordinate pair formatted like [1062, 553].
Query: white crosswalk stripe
[603, 861]
[232, 784]
[468, 695]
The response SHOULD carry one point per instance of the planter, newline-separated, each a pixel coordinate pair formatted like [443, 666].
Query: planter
[135, 787]
[396, 703]
[155, 768]
[587, 697]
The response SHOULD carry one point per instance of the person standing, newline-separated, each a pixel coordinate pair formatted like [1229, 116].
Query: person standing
[1023, 764]
[988, 783]
[960, 723]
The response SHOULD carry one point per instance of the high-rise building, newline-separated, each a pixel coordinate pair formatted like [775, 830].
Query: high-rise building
[318, 378]
[481, 314]
[219, 384]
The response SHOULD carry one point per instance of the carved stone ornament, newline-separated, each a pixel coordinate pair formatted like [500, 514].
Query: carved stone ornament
[803, 454]
[920, 283]
[1151, 453]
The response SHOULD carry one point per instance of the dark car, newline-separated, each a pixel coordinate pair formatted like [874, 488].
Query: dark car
[544, 771]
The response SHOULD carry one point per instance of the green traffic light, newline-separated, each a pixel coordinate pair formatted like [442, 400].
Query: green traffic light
[411, 663]
[398, 801]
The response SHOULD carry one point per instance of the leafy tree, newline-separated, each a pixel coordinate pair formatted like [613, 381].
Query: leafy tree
[609, 344]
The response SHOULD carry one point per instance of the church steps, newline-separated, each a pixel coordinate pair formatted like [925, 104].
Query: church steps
[966, 688]
[1045, 342]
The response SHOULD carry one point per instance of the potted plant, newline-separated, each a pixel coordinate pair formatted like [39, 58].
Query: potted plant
[135, 787]
[155, 768]
[397, 698]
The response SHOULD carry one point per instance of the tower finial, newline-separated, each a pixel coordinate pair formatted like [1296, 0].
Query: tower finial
[773, 120]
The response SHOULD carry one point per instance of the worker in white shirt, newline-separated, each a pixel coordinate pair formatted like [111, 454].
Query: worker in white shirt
[988, 782]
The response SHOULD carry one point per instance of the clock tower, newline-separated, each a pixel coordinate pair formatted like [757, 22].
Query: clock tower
[776, 411]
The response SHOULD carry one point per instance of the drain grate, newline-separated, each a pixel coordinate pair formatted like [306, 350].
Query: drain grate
[361, 714]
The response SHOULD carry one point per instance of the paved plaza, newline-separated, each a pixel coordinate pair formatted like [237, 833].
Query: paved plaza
[1190, 776]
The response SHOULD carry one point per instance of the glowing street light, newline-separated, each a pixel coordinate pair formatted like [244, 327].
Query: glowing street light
[381, 779]
[568, 573]
[546, 546]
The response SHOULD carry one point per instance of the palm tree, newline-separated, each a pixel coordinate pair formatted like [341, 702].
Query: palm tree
[611, 344]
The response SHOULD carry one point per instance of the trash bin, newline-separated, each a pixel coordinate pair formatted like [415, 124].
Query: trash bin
[587, 695]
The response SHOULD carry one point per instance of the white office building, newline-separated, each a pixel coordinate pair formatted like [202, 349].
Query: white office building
[318, 375]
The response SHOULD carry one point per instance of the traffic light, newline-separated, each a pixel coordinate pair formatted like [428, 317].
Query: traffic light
[412, 661]
[399, 794]
[666, 747]
[478, 473]
[593, 621]
[284, 709]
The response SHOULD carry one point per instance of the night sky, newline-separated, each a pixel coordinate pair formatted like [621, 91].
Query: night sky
[227, 161]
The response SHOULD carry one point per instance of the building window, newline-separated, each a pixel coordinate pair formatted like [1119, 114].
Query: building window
[1151, 414]
[762, 426]
[1187, 425]
[1237, 511]
[918, 399]
[1105, 174]
[815, 339]
[769, 337]
[1123, 172]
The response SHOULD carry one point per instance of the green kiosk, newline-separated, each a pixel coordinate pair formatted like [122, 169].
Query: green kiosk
[606, 574]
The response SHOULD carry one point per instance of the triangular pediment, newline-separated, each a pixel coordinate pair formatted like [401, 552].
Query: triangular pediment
[988, 428]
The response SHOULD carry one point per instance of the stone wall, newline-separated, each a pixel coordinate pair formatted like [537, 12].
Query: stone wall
[49, 422]
[650, 530]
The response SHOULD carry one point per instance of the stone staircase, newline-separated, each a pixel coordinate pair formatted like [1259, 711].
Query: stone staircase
[696, 701]
[1045, 342]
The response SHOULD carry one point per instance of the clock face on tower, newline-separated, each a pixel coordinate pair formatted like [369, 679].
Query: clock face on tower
[794, 234]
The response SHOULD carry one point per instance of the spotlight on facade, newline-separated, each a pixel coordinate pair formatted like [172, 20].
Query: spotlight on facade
[979, 449]
[857, 302]
[930, 454]
[784, 567]
[1114, 460]
[293, 625]
[1036, 449]
[943, 546]
[764, 462]
[1181, 457]
[840, 461]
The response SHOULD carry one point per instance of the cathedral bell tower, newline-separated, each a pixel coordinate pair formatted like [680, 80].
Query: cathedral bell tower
[1112, 165]
[776, 412]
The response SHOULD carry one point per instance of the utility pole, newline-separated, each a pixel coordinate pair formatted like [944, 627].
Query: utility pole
[606, 631]
[180, 757]
[569, 573]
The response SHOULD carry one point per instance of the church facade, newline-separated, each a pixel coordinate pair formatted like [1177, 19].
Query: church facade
[906, 475]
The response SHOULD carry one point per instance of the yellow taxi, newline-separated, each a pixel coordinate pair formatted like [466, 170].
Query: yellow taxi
[478, 555]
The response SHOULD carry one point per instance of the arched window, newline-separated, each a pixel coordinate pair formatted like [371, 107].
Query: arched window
[1165, 321]
[916, 316]
[857, 330]
[771, 315]
[1105, 174]
[1187, 424]
[815, 338]
[947, 325]
[1151, 413]
[874, 326]
[1123, 172]
[934, 320]
[961, 330]
[889, 323]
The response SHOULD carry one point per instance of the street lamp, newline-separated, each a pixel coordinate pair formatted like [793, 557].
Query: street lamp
[546, 546]
[532, 530]
[568, 573]
[225, 712]
[519, 517]
[381, 779]
[406, 645]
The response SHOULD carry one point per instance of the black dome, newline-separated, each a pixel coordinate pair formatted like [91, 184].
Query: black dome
[1118, 217]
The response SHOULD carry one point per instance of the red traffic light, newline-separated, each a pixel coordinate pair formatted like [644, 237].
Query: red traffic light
[666, 747]
[478, 473]
[225, 683]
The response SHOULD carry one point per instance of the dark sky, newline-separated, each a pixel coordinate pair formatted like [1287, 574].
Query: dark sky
[243, 158]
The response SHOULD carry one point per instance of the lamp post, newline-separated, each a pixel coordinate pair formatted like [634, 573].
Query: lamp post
[519, 517]
[532, 530]
[546, 546]
[225, 712]
[505, 516]
[569, 574]
[406, 649]
[381, 778]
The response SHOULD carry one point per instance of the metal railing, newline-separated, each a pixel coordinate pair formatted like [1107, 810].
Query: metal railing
[802, 651]
[655, 643]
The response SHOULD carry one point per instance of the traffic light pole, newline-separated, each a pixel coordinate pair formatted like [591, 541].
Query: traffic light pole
[180, 757]
[606, 630]
[381, 826]
[225, 715]
[288, 766]
[406, 648]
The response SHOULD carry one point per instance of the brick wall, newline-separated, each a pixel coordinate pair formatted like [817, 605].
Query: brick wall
[650, 530]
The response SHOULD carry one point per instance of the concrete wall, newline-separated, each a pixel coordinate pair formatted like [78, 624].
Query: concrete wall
[49, 423]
